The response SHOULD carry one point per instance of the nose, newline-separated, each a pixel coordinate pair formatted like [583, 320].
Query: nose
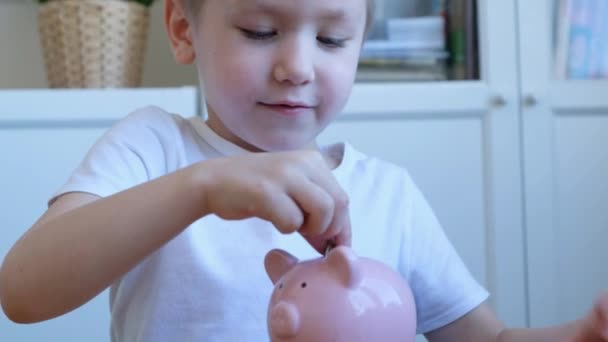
[295, 63]
[284, 320]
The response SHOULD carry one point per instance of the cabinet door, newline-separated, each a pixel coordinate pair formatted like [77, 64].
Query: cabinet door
[565, 125]
[43, 137]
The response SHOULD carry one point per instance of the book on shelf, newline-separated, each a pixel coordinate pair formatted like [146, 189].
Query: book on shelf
[461, 18]
[414, 67]
[581, 44]
[412, 48]
[438, 7]
[400, 74]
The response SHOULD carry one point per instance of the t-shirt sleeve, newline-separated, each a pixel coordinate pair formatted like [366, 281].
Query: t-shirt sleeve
[444, 289]
[131, 152]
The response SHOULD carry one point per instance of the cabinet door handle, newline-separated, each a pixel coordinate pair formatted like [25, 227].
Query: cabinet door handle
[498, 101]
[530, 101]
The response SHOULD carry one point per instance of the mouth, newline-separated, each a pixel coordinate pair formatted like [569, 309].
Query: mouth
[287, 104]
[287, 107]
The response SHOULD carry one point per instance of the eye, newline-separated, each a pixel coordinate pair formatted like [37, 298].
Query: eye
[331, 42]
[281, 285]
[257, 35]
[303, 285]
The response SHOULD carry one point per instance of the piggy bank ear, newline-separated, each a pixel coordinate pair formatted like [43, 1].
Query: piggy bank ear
[278, 262]
[346, 265]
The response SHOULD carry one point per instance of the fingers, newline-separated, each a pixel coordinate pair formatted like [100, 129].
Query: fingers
[595, 324]
[319, 243]
[317, 205]
[344, 236]
[600, 313]
[278, 208]
[325, 207]
[295, 191]
[339, 229]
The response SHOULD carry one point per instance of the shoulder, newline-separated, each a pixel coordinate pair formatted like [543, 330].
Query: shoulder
[150, 126]
[151, 118]
[150, 140]
[378, 170]
[391, 186]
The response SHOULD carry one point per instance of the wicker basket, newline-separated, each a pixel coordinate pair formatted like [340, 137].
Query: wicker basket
[93, 43]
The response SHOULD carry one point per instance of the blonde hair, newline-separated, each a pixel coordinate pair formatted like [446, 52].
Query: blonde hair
[193, 6]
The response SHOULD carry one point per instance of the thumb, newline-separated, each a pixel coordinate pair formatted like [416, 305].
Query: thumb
[319, 243]
[599, 316]
[594, 327]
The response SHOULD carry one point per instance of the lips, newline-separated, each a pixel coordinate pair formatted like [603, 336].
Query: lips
[289, 108]
[288, 104]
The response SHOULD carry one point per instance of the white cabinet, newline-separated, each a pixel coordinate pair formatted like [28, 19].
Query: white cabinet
[565, 151]
[43, 136]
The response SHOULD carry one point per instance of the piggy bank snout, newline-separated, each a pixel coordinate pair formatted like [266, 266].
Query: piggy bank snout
[284, 320]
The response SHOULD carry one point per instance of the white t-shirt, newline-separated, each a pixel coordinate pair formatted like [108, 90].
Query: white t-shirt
[209, 283]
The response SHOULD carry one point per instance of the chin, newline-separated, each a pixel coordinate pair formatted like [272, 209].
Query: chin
[281, 145]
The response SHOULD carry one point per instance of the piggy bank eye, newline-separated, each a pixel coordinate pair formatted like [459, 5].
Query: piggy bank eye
[303, 284]
[281, 285]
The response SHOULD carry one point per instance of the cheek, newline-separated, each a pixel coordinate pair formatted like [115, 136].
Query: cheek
[227, 65]
[338, 78]
[231, 76]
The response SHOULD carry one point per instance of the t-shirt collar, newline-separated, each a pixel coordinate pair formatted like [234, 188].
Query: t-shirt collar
[228, 148]
[223, 146]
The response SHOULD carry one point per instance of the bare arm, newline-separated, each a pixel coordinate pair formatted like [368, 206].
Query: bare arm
[481, 325]
[478, 325]
[83, 243]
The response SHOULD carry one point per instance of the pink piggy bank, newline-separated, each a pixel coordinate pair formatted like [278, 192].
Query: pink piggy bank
[338, 298]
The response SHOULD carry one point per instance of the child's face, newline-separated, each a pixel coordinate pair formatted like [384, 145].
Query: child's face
[275, 72]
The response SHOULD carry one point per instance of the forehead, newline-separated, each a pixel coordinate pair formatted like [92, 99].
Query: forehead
[331, 9]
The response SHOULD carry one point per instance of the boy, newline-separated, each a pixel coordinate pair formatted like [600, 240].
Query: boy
[176, 215]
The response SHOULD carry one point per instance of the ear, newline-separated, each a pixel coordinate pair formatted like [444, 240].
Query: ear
[345, 264]
[278, 262]
[179, 31]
